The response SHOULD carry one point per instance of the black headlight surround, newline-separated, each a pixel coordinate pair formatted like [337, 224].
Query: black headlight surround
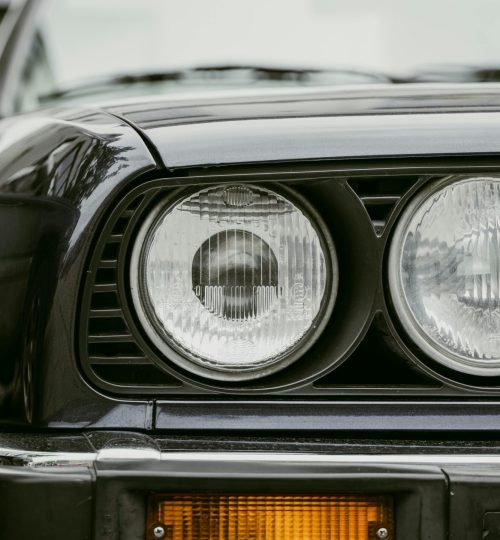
[353, 235]
[360, 211]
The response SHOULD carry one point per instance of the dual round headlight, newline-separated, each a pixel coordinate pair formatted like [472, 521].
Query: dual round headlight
[233, 282]
[444, 273]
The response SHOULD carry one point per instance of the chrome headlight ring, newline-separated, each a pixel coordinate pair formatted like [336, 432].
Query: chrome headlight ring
[233, 282]
[444, 273]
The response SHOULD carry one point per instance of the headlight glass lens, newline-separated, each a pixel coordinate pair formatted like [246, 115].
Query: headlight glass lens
[444, 273]
[233, 278]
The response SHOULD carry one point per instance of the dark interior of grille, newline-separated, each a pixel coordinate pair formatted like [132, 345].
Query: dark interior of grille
[117, 357]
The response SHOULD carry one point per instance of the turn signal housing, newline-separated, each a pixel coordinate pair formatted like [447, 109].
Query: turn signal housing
[237, 516]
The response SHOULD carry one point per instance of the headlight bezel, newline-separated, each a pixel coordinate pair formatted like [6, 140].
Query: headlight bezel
[116, 358]
[459, 365]
[183, 358]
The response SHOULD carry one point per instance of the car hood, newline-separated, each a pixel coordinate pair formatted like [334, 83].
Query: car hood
[339, 122]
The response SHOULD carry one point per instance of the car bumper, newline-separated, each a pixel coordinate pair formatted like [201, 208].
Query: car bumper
[96, 485]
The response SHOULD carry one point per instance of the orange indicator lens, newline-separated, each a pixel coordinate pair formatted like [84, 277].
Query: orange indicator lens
[188, 516]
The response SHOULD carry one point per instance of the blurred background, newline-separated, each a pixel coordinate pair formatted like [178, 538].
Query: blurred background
[76, 42]
[3, 8]
[391, 36]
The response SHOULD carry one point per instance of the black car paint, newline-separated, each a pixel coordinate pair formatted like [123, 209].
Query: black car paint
[57, 172]
[61, 170]
[362, 122]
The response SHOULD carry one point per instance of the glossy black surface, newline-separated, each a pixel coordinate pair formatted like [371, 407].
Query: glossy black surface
[376, 121]
[382, 99]
[57, 170]
[21, 444]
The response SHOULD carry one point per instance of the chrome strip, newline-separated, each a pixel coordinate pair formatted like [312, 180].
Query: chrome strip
[21, 458]
[414, 459]
[66, 459]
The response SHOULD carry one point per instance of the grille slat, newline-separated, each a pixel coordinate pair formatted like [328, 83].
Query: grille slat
[110, 338]
[380, 200]
[380, 196]
[101, 313]
[119, 360]
[105, 287]
[115, 238]
[108, 263]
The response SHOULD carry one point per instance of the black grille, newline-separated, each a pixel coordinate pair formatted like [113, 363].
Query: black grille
[112, 351]
[377, 363]
[116, 355]
[380, 195]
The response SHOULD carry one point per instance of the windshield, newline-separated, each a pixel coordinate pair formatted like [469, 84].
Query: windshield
[80, 41]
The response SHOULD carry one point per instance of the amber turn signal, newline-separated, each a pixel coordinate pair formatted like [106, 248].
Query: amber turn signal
[239, 516]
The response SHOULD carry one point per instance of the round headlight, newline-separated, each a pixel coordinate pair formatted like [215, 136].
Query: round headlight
[233, 282]
[444, 273]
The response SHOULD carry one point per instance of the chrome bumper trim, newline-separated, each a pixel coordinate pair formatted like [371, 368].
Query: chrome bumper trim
[23, 458]
[34, 459]
[368, 459]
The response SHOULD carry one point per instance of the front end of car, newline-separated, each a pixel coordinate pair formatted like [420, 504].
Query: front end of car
[200, 341]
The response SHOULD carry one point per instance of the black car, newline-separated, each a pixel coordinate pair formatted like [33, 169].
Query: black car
[243, 299]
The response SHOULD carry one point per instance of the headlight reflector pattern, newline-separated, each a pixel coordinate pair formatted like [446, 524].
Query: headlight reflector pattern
[444, 273]
[234, 278]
